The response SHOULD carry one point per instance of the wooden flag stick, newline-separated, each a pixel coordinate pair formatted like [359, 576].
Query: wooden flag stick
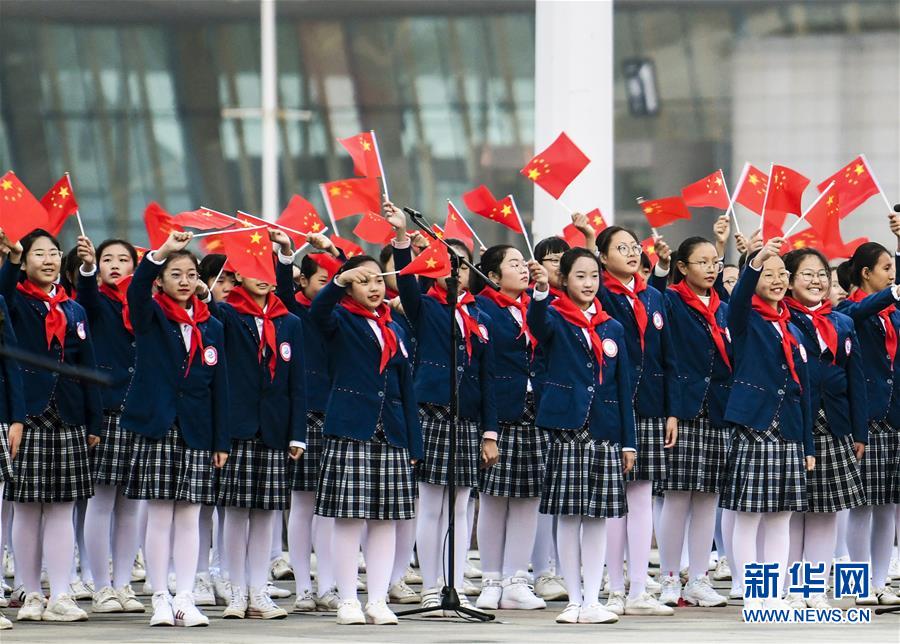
[803, 216]
[388, 273]
[875, 181]
[522, 226]
[563, 204]
[468, 225]
[740, 183]
[78, 213]
[380, 166]
[297, 252]
[762, 217]
[226, 232]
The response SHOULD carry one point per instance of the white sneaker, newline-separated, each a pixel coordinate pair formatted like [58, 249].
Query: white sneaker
[379, 614]
[128, 600]
[237, 604]
[138, 572]
[472, 571]
[431, 598]
[722, 571]
[32, 608]
[818, 602]
[776, 603]
[886, 596]
[647, 604]
[401, 593]
[329, 601]
[411, 576]
[684, 576]
[652, 586]
[869, 600]
[518, 594]
[147, 589]
[170, 583]
[491, 591]
[615, 603]
[186, 613]
[277, 592]
[221, 589]
[700, 592]
[570, 614]
[64, 609]
[5, 624]
[753, 604]
[9, 564]
[596, 614]
[795, 601]
[262, 607]
[736, 592]
[350, 612]
[4, 602]
[713, 561]
[470, 588]
[670, 590]
[81, 590]
[305, 602]
[162, 610]
[550, 588]
[360, 563]
[280, 569]
[894, 569]
[203, 590]
[106, 601]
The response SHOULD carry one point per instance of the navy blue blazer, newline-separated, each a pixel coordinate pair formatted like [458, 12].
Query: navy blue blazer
[274, 409]
[115, 354]
[654, 370]
[763, 385]
[882, 382]
[361, 396]
[12, 402]
[77, 403]
[837, 383]
[513, 364]
[160, 395]
[431, 322]
[572, 394]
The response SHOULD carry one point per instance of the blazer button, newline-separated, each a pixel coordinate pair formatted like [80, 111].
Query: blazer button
[462, 347]
[781, 392]
[460, 369]
[381, 394]
[889, 381]
[134, 344]
[590, 388]
[533, 374]
[130, 369]
[707, 379]
[784, 366]
[590, 364]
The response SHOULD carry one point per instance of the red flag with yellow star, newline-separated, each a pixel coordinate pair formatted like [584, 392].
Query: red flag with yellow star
[364, 153]
[504, 212]
[374, 229]
[662, 212]
[158, 224]
[349, 197]
[480, 200]
[456, 227]
[59, 202]
[785, 191]
[203, 219]
[433, 261]
[20, 212]
[141, 251]
[349, 248]
[575, 237]
[807, 238]
[854, 183]
[557, 166]
[649, 247]
[250, 253]
[708, 192]
[751, 189]
[300, 215]
[823, 216]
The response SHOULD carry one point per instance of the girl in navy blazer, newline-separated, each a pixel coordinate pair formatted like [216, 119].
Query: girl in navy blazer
[101, 286]
[586, 405]
[510, 491]
[477, 428]
[175, 407]
[51, 471]
[641, 312]
[838, 403]
[372, 434]
[873, 307]
[772, 448]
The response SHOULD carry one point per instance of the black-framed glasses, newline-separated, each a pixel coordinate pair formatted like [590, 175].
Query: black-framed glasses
[627, 251]
[705, 265]
[808, 276]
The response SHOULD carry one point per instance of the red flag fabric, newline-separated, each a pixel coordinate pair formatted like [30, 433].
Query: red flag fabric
[20, 212]
[824, 217]
[364, 153]
[349, 197]
[598, 223]
[60, 203]
[456, 226]
[557, 166]
[504, 212]
[854, 184]
[159, 224]
[250, 253]
[433, 261]
[374, 229]
[708, 192]
[836, 250]
[575, 237]
[662, 212]
[350, 248]
[141, 251]
[203, 219]
[480, 200]
[752, 190]
[300, 215]
[785, 191]
[649, 247]
[327, 261]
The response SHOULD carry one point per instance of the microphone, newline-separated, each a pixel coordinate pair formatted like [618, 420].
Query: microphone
[415, 214]
[897, 207]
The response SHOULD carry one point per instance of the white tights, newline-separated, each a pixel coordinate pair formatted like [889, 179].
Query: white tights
[506, 529]
[111, 523]
[635, 528]
[58, 544]
[676, 506]
[813, 535]
[171, 522]
[870, 537]
[543, 555]
[582, 545]
[277, 550]
[300, 533]
[432, 527]
[403, 548]
[379, 553]
[247, 539]
[776, 546]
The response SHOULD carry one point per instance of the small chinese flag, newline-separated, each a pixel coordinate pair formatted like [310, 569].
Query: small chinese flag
[575, 237]
[374, 229]
[807, 238]
[649, 247]
[433, 261]
[662, 212]
[203, 219]
[456, 227]
[349, 197]
[300, 215]
[20, 212]
[59, 202]
[250, 254]
[159, 224]
[141, 251]
[350, 249]
[751, 191]
[708, 192]
[364, 153]
[785, 191]
[557, 166]
[327, 261]
[480, 200]
[505, 212]
[854, 183]
[824, 217]
[437, 230]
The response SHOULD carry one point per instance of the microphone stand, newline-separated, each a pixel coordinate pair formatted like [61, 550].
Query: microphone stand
[449, 596]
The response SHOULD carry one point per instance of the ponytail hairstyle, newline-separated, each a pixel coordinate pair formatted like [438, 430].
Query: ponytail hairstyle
[794, 258]
[866, 256]
[843, 275]
[683, 254]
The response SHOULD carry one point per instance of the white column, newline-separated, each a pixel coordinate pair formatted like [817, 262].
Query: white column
[574, 93]
[269, 78]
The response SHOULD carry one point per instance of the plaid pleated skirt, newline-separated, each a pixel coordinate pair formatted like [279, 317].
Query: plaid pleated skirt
[304, 473]
[365, 480]
[167, 469]
[6, 467]
[583, 477]
[880, 466]
[435, 421]
[254, 476]
[699, 458]
[650, 464]
[765, 473]
[835, 484]
[111, 459]
[52, 465]
[519, 474]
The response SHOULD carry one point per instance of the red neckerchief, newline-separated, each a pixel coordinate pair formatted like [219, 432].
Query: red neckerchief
[301, 298]
[505, 302]
[55, 321]
[822, 324]
[177, 313]
[708, 313]
[117, 294]
[640, 311]
[381, 316]
[470, 326]
[573, 314]
[781, 318]
[390, 294]
[555, 292]
[242, 302]
[890, 333]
